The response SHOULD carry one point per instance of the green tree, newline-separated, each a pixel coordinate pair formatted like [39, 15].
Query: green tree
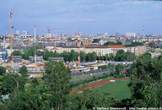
[2, 70]
[11, 84]
[111, 56]
[146, 81]
[57, 79]
[120, 56]
[29, 52]
[47, 54]
[23, 70]
[88, 101]
[118, 71]
[130, 56]
[73, 56]
[82, 56]
[34, 97]
[16, 53]
[65, 55]
[133, 44]
[48, 93]
[124, 56]
[91, 56]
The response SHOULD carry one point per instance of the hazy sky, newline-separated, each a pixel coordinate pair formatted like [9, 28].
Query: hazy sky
[89, 16]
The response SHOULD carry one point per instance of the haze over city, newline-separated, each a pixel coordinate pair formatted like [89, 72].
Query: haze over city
[92, 16]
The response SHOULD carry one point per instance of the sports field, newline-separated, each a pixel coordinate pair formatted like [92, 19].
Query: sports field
[114, 87]
[118, 89]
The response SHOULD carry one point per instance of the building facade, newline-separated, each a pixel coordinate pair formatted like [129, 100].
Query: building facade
[138, 50]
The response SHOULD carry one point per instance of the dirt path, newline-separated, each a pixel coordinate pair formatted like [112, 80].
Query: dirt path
[96, 84]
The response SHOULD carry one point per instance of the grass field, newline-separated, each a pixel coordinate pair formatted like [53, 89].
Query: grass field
[118, 89]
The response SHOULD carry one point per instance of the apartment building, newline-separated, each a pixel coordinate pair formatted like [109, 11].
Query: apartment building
[101, 51]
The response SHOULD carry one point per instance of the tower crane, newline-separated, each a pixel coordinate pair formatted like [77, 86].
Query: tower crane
[10, 34]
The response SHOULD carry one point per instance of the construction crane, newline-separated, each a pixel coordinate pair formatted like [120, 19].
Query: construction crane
[54, 35]
[51, 35]
[55, 42]
[10, 34]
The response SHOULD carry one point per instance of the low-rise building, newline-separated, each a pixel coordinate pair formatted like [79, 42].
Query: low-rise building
[101, 51]
[36, 59]
[35, 68]
[16, 59]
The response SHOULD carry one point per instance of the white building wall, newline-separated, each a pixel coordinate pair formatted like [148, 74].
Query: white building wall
[103, 51]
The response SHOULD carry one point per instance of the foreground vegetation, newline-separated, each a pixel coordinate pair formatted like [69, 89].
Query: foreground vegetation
[52, 92]
[118, 89]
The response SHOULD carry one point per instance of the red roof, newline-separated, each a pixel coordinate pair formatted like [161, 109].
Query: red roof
[116, 46]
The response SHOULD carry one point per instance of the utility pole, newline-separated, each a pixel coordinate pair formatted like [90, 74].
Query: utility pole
[4, 43]
[35, 34]
[54, 36]
[55, 42]
[4, 49]
[78, 46]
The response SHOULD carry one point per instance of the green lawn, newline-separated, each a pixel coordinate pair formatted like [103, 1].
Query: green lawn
[118, 89]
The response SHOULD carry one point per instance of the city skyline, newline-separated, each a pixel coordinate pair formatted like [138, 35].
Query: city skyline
[91, 16]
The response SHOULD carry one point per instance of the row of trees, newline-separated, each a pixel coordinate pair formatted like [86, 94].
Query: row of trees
[68, 56]
[133, 44]
[121, 55]
[25, 53]
[84, 57]
[73, 56]
[124, 56]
